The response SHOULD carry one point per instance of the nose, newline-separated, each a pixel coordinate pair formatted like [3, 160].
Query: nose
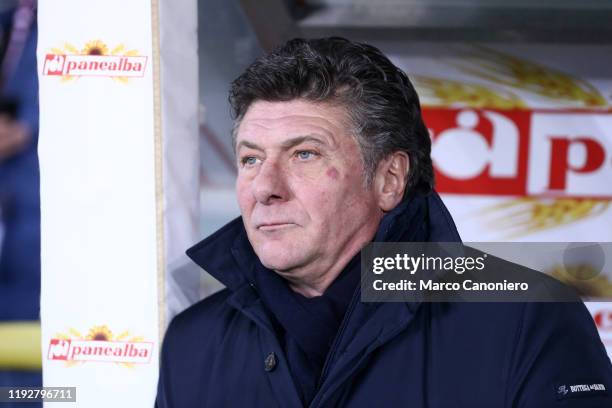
[270, 183]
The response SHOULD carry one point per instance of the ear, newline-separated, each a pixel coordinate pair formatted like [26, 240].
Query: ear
[390, 180]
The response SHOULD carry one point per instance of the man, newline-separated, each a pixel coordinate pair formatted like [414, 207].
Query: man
[332, 154]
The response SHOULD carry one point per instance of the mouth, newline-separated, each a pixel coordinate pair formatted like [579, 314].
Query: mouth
[275, 226]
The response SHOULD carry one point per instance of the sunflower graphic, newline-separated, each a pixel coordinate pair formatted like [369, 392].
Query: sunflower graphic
[95, 47]
[100, 333]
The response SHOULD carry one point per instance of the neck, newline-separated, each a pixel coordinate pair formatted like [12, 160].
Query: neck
[313, 287]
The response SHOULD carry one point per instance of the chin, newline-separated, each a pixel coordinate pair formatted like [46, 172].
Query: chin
[276, 263]
[277, 258]
[282, 252]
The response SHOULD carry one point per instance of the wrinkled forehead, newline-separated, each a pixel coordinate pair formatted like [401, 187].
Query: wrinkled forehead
[278, 120]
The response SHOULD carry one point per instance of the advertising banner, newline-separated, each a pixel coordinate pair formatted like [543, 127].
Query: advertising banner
[115, 205]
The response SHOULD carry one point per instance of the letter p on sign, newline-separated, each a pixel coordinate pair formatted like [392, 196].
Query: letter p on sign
[592, 158]
[571, 153]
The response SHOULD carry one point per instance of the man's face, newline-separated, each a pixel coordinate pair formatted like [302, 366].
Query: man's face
[301, 189]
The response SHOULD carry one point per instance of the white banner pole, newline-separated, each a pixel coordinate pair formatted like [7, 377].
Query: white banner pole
[115, 206]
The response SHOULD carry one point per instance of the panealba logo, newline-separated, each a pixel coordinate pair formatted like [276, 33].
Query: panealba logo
[94, 59]
[100, 345]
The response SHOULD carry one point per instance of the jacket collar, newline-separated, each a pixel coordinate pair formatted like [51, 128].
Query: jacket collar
[366, 326]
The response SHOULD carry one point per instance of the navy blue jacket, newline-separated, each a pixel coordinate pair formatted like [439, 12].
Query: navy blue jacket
[223, 351]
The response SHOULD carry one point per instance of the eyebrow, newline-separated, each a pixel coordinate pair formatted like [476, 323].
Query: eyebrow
[244, 143]
[286, 145]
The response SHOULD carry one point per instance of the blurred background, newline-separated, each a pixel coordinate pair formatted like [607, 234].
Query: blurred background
[19, 197]
[497, 79]
[507, 90]
[539, 54]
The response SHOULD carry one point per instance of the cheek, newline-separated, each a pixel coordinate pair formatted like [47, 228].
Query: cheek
[333, 174]
[358, 201]
[326, 200]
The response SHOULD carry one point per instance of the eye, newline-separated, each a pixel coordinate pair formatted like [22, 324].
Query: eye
[249, 161]
[305, 154]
